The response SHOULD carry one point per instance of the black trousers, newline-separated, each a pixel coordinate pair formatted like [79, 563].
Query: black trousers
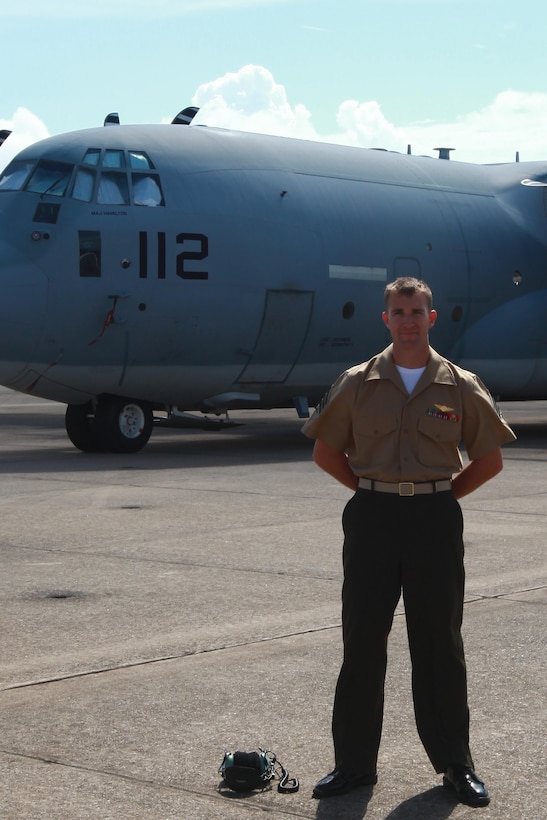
[414, 545]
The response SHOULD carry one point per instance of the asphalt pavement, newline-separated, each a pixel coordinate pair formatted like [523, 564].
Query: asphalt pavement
[163, 607]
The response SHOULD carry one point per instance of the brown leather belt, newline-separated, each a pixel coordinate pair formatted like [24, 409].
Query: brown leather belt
[406, 488]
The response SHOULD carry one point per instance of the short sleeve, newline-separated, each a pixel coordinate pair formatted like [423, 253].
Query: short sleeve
[484, 428]
[332, 420]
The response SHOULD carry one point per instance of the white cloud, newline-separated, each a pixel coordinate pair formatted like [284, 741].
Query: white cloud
[364, 124]
[26, 128]
[251, 100]
[513, 121]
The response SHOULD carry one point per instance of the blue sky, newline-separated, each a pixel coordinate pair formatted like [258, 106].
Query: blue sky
[469, 74]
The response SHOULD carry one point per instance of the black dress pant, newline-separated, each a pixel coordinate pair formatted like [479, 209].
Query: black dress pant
[414, 545]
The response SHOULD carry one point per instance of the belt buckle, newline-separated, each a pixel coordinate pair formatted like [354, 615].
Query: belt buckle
[406, 488]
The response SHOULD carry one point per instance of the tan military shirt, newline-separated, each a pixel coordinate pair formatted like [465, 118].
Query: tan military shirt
[390, 435]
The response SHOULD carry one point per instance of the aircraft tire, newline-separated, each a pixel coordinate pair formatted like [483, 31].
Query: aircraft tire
[123, 425]
[80, 427]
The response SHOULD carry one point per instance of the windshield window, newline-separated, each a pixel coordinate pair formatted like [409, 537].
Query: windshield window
[92, 156]
[100, 177]
[140, 161]
[113, 158]
[15, 175]
[147, 190]
[113, 189]
[83, 185]
[50, 178]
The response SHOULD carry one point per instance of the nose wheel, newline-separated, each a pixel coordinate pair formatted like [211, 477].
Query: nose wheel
[115, 425]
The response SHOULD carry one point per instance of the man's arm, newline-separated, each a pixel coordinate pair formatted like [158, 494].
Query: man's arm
[477, 472]
[335, 464]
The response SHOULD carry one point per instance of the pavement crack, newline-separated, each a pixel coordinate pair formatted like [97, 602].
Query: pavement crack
[116, 667]
[178, 562]
[145, 781]
[511, 596]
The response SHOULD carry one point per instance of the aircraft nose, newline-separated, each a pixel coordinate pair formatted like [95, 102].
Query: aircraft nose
[23, 293]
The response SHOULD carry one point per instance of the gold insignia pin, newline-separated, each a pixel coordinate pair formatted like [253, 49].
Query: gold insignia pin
[443, 408]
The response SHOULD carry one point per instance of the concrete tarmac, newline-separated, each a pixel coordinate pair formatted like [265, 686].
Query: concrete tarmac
[163, 607]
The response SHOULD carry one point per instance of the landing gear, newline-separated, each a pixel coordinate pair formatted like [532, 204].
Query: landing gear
[80, 428]
[123, 425]
[116, 425]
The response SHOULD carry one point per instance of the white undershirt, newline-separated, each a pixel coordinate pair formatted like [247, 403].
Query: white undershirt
[410, 376]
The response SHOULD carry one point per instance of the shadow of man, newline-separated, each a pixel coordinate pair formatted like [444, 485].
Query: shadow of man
[351, 806]
[433, 804]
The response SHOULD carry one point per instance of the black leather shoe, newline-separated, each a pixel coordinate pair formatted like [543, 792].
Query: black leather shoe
[338, 782]
[468, 787]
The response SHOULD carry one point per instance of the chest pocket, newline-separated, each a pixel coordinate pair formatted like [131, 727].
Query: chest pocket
[375, 426]
[438, 441]
[440, 429]
[375, 438]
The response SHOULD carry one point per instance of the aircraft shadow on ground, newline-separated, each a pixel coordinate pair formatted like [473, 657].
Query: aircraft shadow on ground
[253, 443]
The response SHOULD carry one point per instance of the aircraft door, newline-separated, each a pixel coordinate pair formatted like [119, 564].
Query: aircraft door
[280, 338]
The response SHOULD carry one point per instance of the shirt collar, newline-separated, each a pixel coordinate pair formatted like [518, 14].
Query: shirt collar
[437, 369]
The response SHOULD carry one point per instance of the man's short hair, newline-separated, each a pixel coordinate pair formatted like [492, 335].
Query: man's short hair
[408, 286]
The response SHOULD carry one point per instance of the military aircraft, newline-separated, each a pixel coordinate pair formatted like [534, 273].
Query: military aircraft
[183, 268]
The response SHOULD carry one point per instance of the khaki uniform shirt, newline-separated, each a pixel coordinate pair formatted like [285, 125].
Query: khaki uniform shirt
[390, 435]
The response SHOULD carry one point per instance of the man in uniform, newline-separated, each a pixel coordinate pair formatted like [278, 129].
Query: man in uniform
[389, 430]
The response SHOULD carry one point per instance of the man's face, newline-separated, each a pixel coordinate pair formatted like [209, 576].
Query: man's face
[409, 319]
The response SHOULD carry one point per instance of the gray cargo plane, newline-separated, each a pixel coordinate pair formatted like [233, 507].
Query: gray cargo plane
[185, 268]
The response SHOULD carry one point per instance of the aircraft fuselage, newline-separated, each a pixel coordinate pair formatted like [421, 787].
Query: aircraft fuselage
[203, 269]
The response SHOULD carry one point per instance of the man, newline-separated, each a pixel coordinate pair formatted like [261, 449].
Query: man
[389, 430]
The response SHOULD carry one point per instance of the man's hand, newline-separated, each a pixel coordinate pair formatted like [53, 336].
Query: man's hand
[476, 473]
[335, 464]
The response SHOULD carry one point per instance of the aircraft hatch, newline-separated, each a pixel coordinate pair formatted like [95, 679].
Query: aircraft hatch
[280, 339]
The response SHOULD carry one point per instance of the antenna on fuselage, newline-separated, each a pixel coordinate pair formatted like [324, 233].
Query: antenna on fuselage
[112, 119]
[185, 116]
[444, 153]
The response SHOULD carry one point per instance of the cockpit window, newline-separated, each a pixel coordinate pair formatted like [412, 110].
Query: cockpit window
[84, 184]
[113, 158]
[15, 175]
[50, 177]
[115, 186]
[140, 161]
[113, 189]
[108, 176]
[147, 190]
[92, 157]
